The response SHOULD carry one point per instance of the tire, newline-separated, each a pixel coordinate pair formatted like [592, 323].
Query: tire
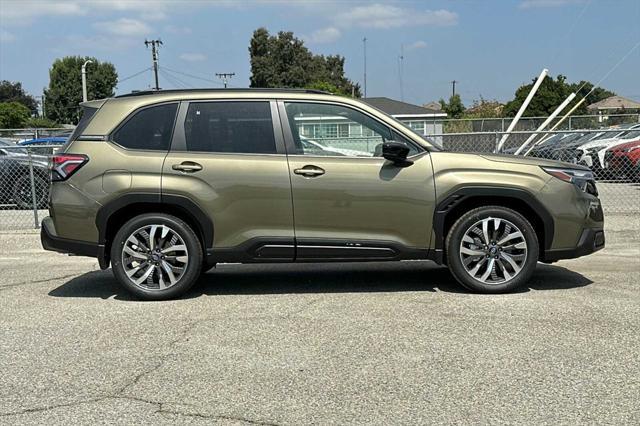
[485, 259]
[22, 196]
[163, 269]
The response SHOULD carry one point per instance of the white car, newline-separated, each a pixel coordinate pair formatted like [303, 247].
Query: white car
[592, 153]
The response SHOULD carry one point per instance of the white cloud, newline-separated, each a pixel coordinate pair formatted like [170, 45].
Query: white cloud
[530, 4]
[6, 37]
[383, 16]
[173, 29]
[417, 45]
[193, 57]
[123, 27]
[325, 35]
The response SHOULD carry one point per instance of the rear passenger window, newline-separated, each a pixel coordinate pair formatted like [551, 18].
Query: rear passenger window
[150, 128]
[237, 127]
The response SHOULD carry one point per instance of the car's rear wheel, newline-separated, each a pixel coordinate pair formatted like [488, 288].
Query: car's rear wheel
[23, 196]
[492, 249]
[156, 256]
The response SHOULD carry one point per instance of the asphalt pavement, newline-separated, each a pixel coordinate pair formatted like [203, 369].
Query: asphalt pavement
[377, 343]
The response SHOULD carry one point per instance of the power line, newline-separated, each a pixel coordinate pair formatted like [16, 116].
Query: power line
[192, 76]
[121, 80]
[174, 80]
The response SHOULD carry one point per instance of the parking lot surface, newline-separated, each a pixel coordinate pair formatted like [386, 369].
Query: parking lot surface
[325, 344]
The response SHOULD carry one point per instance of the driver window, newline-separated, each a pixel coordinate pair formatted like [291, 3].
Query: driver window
[334, 130]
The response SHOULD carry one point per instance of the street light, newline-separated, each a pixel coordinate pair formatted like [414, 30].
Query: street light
[84, 80]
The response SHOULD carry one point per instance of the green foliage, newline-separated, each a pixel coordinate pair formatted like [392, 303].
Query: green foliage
[65, 86]
[454, 108]
[13, 92]
[13, 115]
[284, 61]
[484, 109]
[553, 92]
[41, 123]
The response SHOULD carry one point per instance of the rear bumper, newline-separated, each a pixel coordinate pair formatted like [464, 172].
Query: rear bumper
[50, 241]
[591, 240]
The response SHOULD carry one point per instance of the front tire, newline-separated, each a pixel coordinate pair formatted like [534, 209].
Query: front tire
[492, 249]
[156, 256]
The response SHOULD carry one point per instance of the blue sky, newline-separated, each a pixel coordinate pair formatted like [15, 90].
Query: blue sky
[491, 47]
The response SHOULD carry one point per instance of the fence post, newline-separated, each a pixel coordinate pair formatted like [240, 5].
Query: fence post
[33, 192]
[497, 143]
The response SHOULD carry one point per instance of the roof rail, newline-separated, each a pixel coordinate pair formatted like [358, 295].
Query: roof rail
[247, 89]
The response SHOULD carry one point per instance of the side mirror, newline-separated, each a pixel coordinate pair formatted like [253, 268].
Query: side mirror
[396, 152]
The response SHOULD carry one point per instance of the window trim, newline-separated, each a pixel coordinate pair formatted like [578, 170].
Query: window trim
[179, 142]
[289, 140]
[132, 114]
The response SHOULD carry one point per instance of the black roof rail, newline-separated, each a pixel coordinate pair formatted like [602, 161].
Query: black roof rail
[244, 89]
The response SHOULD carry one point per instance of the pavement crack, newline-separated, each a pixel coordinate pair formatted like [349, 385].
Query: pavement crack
[8, 286]
[52, 407]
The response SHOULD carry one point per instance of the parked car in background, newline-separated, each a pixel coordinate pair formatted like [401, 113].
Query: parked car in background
[623, 161]
[15, 177]
[592, 153]
[43, 146]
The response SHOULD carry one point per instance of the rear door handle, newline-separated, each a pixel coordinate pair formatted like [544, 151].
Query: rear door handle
[187, 167]
[309, 171]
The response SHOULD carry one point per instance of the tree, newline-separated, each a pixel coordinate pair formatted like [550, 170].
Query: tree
[13, 115]
[13, 92]
[284, 61]
[454, 108]
[65, 86]
[551, 94]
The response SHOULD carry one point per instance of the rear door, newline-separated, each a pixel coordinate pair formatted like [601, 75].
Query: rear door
[228, 157]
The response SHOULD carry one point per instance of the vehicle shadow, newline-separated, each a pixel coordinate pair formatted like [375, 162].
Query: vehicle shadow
[318, 278]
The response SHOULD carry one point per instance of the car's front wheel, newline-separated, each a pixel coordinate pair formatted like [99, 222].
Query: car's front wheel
[156, 256]
[492, 249]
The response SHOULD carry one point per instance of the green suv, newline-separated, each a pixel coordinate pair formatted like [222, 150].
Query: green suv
[164, 185]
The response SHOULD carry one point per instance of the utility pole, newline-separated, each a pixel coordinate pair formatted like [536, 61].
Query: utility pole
[154, 54]
[364, 42]
[84, 80]
[453, 86]
[400, 64]
[225, 77]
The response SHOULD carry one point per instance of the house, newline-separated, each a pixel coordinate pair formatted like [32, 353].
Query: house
[424, 121]
[613, 105]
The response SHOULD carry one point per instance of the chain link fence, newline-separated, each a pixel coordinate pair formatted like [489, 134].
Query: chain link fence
[612, 154]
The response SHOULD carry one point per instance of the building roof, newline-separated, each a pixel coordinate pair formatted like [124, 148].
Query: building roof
[434, 105]
[402, 109]
[615, 102]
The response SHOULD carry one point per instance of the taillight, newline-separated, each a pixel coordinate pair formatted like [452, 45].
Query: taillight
[64, 165]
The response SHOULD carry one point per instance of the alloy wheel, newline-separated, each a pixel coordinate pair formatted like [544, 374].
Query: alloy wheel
[154, 257]
[493, 250]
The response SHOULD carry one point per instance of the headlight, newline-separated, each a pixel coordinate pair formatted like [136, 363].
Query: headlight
[583, 179]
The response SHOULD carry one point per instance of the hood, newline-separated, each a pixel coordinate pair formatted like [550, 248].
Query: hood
[626, 145]
[530, 161]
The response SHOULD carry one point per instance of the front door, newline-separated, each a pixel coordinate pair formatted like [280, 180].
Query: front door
[227, 158]
[349, 202]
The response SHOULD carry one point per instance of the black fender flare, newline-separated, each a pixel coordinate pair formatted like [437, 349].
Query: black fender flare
[179, 201]
[454, 198]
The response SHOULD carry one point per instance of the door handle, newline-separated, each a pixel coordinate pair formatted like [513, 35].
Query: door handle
[187, 167]
[309, 171]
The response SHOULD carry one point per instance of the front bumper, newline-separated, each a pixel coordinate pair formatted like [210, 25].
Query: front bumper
[51, 241]
[591, 240]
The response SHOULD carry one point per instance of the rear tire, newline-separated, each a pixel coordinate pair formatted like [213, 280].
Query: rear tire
[492, 249]
[156, 256]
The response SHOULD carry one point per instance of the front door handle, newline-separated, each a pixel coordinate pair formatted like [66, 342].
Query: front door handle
[187, 167]
[309, 171]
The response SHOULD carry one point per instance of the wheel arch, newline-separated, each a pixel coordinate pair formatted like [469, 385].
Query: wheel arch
[113, 215]
[464, 199]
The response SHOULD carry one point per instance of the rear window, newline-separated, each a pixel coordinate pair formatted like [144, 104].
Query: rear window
[149, 128]
[87, 115]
